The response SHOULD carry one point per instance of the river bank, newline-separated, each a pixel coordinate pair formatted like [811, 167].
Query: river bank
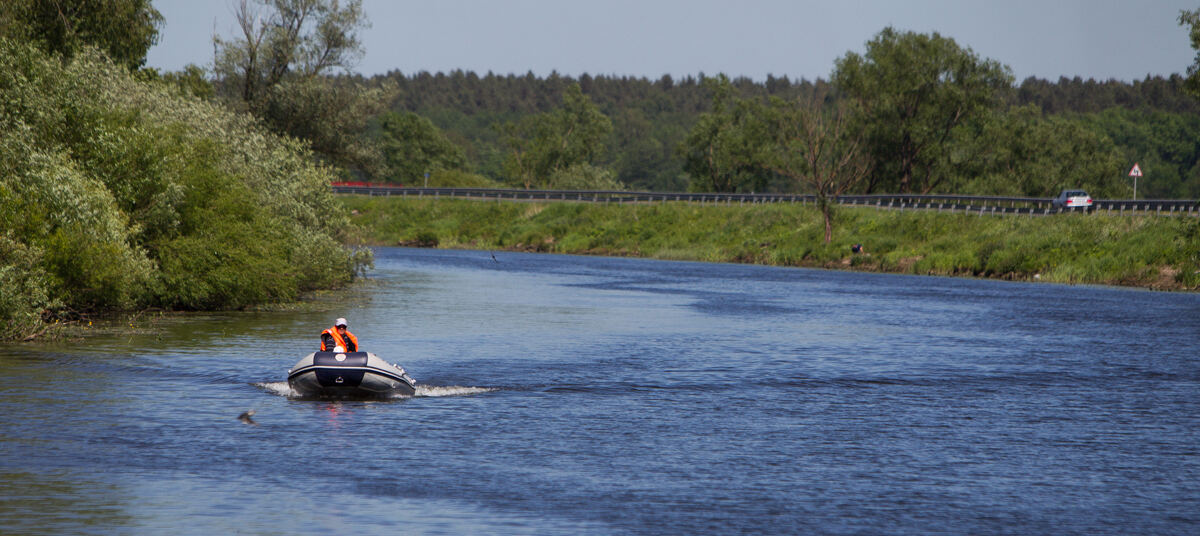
[1155, 252]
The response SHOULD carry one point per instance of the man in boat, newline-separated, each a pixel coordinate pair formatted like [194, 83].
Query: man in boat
[338, 336]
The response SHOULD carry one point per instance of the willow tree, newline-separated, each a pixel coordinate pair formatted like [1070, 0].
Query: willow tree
[914, 91]
[284, 38]
[282, 69]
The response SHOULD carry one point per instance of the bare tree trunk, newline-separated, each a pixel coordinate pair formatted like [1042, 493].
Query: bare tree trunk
[817, 147]
[825, 211]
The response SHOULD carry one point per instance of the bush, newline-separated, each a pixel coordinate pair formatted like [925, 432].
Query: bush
[21, 268]
[584, 177]
[46, 204]
[118, 193]
[457, 178]
[426, 239]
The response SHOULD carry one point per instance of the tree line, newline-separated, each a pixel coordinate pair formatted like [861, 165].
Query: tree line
[1049, 133]
[924, 113]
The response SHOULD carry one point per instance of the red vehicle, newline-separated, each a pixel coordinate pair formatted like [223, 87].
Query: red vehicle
[362, 184]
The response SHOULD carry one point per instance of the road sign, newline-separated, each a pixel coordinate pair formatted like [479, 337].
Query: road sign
[1135, 173]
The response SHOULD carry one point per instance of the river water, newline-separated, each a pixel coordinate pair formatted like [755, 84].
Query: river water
[587, 395]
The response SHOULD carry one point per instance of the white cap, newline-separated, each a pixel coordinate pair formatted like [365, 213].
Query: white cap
[340, 322]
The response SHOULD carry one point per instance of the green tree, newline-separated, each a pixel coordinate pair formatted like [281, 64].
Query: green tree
[124, 29]
[333, 115]
[726, 148]
[1191, 19]
[543, 144]
[642, 152]
[1162, 143]
[914, 91]
[413, 146]
[1021, 152]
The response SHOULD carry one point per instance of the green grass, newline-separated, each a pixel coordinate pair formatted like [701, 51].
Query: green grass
[1161, 252]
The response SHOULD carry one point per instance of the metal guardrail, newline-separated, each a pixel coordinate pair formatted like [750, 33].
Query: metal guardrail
[939, 202]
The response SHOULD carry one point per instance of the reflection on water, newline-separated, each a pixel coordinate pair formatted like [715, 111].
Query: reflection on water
[567, 395]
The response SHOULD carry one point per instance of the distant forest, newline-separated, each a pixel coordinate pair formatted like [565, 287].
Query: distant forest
[913, 113]
[1152, 122]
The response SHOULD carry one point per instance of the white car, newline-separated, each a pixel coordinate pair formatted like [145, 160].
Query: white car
[1072, 199]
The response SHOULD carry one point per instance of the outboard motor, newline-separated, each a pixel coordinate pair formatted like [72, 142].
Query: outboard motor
[329, 374]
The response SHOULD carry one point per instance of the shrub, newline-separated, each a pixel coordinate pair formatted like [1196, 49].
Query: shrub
[47, 204]
[584, 177]
[21, 268]
[118, 193]
[457, 178]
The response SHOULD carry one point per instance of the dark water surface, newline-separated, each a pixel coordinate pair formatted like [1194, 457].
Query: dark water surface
[582, 395]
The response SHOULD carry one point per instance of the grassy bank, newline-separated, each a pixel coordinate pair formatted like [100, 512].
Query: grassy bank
[1146, 251]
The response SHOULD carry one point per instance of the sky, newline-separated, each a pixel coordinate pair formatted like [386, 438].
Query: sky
[1102, 39]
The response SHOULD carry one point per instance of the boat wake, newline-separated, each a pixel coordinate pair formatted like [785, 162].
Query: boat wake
[283, 389]
[276, 388]
[450, 390]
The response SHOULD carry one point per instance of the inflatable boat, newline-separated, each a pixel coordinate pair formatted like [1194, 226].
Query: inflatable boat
[349, 375]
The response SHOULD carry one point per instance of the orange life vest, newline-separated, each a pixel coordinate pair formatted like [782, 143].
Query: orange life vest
[338, 340]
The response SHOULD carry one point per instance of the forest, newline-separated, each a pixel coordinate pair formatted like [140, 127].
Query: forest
[1152, 122]
[912, 113]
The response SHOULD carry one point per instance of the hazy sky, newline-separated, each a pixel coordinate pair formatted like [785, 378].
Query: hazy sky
[1102, 39]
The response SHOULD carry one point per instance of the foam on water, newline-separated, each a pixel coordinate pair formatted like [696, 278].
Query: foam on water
[277, 388]
[450, 390]
[283, 389]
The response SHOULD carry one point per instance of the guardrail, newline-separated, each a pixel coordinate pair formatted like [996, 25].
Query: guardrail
[939, 202]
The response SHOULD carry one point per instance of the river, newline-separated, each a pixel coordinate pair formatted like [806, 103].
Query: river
[590, 395]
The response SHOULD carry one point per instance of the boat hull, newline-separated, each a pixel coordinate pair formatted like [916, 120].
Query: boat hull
[349, 375]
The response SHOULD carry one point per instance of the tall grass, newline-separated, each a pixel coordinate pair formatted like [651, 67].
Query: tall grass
[1148, 251]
